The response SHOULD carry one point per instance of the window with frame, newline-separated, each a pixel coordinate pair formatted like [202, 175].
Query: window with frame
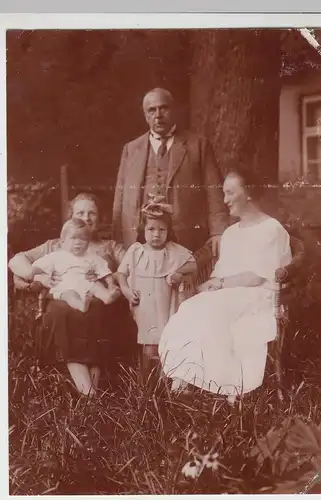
[311, 138]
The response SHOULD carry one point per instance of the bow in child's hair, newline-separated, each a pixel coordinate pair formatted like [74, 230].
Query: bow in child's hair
[156, 206]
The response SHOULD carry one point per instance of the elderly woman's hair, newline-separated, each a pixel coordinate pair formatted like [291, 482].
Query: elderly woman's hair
[165, 217]
[74, 223]
[250, 181]
[84, 196]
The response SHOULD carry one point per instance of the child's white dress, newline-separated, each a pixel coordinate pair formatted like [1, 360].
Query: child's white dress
[146, 270]
[73, 270]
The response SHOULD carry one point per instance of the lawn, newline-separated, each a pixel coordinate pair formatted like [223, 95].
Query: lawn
[134, 441]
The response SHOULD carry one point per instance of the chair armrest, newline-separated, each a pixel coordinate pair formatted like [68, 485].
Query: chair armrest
[281, 275]
[287, 273]
[20, 283]
[203, 255]
[205, 263]
[23, 285]
[298, 257]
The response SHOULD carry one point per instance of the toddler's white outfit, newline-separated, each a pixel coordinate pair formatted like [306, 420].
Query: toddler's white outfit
[73, 270]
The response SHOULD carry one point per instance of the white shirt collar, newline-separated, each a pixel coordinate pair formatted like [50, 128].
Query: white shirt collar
[155, 142]
[158, 137]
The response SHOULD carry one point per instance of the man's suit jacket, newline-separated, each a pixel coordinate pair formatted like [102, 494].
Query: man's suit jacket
[193, 188]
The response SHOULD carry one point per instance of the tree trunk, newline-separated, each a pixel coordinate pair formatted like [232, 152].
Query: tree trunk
[234, 93]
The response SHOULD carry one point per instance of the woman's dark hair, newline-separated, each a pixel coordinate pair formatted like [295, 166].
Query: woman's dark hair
[165, 217]
[250, 181]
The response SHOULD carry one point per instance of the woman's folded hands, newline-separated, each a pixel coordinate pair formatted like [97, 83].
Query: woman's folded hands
[210, 286]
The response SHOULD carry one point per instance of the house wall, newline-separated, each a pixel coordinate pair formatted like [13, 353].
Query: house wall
[290, 168]
[299, 201]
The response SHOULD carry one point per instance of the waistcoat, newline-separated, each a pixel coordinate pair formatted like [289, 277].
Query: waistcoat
[156, 173]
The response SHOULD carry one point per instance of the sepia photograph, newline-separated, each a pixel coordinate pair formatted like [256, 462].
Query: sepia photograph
[164, 260]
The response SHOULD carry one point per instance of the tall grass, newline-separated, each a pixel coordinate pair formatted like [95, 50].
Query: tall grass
[131, 440]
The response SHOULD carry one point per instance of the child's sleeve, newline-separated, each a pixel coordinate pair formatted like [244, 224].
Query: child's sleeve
[181, 255]
[44, 264]
[190, 257]
[125, 265]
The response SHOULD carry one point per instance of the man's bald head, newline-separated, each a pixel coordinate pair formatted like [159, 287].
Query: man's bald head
[158, 106]
[158, 92]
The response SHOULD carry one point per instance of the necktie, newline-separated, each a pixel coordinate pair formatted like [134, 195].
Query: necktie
[162, 150]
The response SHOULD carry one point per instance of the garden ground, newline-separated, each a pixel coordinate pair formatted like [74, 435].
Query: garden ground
[131, 441]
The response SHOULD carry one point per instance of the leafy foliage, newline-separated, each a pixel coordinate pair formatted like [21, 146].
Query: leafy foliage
[294, 452]
[33, 214]
[297, 54]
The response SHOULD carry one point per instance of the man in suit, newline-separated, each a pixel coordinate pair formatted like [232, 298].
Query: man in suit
[176, 164]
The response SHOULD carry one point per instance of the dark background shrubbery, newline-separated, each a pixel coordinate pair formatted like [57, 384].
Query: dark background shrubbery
[35, 213]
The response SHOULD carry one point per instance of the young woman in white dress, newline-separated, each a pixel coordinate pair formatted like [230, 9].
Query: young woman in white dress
[218, 339]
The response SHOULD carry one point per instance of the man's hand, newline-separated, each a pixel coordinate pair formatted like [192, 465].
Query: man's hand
[215, 244]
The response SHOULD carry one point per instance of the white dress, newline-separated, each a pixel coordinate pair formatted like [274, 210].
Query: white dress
[218, 340]
[147, 270]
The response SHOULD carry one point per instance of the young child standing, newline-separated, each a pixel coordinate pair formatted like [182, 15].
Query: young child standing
[73, 264]
[151, 272]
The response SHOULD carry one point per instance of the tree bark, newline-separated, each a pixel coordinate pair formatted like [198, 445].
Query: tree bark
[234, 95]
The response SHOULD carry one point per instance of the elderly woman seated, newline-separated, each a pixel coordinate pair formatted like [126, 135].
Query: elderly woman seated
[68, 335]
[217, 340]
